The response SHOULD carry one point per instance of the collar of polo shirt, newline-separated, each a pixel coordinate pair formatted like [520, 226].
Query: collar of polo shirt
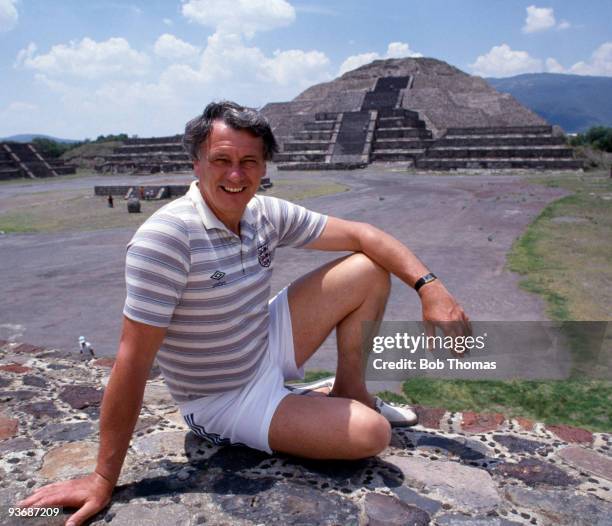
[209, 219]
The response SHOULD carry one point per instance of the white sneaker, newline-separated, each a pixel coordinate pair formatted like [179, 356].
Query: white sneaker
[305, 388]
[398, 416]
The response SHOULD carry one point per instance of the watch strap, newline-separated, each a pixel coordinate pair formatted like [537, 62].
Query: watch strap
[427, 278]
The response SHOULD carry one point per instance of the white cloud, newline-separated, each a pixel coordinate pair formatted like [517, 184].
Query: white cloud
[25, 54]
[168, 21]
[400, 50]
[226, 57]
[244, 16]
[539, 19]
[564, 24]
[171, 47]
[87, 59]
[394, 50]
[355, 61]
[502, 61]
[8, 15]
[295, 65]
[553, 66]
[226, 66]
[600, 63]
[542, 18]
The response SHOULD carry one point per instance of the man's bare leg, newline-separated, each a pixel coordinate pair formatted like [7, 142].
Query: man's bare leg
[340, 294]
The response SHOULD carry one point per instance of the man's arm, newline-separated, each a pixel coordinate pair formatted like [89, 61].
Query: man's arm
[120, 409]
[439, 307]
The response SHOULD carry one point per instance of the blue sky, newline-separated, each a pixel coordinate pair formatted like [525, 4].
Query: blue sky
[77, 69]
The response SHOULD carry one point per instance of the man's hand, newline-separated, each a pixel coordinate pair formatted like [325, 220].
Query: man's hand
[441, 310]
[90, 494]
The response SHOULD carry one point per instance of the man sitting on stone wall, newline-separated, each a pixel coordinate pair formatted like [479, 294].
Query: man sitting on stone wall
[198, 283]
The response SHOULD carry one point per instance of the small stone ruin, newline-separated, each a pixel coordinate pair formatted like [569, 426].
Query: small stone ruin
[19, 161]
[147, 156]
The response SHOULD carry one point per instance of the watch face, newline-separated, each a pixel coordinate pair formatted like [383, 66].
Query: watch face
[428, 278]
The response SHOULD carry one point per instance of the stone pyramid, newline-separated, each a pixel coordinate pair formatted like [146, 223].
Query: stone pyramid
[421, 111]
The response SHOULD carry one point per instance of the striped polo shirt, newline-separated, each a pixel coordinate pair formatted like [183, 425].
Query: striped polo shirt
[185, 270]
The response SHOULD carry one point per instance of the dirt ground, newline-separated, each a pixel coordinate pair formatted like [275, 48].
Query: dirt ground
[58, 286]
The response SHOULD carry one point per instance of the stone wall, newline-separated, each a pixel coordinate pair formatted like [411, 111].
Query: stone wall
[172, 190]
[457, 469]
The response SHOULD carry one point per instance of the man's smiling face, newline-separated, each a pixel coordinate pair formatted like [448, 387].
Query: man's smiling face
[230, 167]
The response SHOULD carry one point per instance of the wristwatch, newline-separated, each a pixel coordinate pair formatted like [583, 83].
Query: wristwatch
[427, 278]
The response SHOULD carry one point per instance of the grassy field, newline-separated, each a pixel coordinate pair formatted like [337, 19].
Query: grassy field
[585, 404]
[566, 253]
[79, 210]
[577, 403]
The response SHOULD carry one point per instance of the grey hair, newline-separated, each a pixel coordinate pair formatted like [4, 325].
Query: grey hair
[238, 117]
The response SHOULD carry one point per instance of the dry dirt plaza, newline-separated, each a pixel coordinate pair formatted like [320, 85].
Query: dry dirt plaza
[58, 286]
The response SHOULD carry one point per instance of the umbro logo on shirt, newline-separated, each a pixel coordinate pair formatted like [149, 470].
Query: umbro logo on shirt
[218, 275]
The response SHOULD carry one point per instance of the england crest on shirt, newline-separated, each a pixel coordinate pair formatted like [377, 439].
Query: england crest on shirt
[264, 256]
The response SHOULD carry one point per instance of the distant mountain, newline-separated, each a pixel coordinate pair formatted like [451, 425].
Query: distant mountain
[28, 137]
[574, 102]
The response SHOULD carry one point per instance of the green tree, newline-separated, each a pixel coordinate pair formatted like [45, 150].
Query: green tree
[51, 148]
[599, 137]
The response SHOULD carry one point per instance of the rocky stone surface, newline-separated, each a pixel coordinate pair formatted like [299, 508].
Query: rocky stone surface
[572, 434]
[452, 469]
[8, 427]
[465, 488]
[480, 422]
[587, 460]
[81, 396]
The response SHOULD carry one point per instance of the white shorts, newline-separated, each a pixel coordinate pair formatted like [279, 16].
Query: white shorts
[243, 416]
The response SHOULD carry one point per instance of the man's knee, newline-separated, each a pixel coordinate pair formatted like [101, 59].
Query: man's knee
[375, 435]
[371, 273]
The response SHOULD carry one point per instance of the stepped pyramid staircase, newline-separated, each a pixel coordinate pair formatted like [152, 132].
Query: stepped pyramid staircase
[383, 131]
[154, 155]
[22, 160]
[378, 131]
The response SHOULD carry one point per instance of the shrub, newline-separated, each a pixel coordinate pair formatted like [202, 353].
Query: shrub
[51, 148]
[54, 149]
[599, 137]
